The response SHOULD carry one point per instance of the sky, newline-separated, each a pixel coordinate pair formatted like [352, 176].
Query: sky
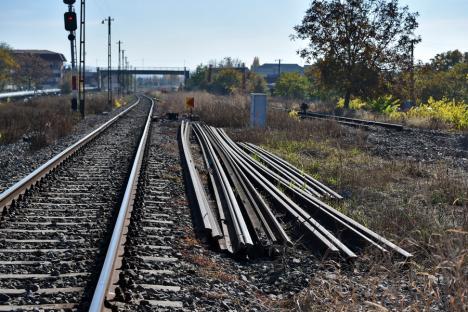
[174, 33]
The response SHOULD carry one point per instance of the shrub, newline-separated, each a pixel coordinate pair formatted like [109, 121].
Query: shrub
[384, 104]
[292, 86]
[444, 110]
[356, 103]
[227, 81]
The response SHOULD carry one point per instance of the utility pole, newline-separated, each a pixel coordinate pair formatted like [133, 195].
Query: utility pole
[109, 21]
[122, 78]
[119, 80]
[127, 78]
[279, 67]
[412, 82]
[82, 67]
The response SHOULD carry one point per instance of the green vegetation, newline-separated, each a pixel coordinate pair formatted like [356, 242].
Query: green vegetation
[227, 81]
[7, 64]
[356, 43]
[446, 111]
[292, 86]
[226, 77]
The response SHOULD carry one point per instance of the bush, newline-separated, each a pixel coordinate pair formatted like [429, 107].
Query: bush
[355, 104]
[292, 86]
[385, 104]
[444, 110]
[227, 81]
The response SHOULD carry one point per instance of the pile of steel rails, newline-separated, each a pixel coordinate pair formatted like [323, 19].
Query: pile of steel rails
[247, 198]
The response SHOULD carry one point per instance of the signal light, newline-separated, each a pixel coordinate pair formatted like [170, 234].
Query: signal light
[70, 21]
[69, 2]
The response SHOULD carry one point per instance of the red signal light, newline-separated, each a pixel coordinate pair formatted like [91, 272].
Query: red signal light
[70, 21]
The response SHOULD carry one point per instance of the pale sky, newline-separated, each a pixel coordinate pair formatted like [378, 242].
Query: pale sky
[173, 33]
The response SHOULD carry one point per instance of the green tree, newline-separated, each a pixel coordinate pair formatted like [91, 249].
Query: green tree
[438, 84]
[445, 61]
[199, 79]
[292, 85]
[227, 81]
[256, 83]
[356, 41]
[255, 63]
[7, 64]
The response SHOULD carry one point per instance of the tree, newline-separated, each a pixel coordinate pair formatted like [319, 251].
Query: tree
[447, 60]
[227, 81]
[292, 85]
[256, 83]
[356, 41]
[32, 70]
[255, 63]
[7, 64]
[199, 79]
[228, 62]
[65, 85]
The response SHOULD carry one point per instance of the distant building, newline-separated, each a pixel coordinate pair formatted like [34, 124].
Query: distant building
[271, 71]
[54, 60]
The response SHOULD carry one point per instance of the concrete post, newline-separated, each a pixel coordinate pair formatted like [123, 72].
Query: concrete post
[258, 110]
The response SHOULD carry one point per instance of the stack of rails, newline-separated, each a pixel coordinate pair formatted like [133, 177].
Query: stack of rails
[251, 186]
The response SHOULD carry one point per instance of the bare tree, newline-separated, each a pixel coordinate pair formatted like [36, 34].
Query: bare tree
[32, 70]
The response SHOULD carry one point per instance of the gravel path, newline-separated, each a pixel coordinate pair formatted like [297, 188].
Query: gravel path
[17, 160]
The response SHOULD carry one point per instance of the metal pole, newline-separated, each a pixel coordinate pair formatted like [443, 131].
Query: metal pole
[81, 69]
[127, 77]
[119, 80]
[109, 21]
[412, 82]
[122, 78]
[72, 38]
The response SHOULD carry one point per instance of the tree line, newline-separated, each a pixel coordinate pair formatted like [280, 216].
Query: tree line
[358, 49]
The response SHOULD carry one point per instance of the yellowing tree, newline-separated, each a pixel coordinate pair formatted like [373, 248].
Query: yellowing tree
[7, 64]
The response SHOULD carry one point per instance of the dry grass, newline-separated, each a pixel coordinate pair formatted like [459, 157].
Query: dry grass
[43, 120]
[422, 207]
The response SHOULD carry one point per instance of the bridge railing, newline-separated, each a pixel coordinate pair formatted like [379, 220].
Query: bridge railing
[148, 68]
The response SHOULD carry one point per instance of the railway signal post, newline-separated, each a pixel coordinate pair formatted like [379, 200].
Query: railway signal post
[109, 21]
[71, 26]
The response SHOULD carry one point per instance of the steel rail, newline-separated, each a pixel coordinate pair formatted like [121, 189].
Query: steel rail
[251, 209]
[279, 170]
[104, 282]
[350, 224]
[355, 227]
[351, 121]
[24, 184]
[262, 221]
[242, 232]
[293, 170]
[262, 210]
[314, 227]
[224, 242]
[203, 205]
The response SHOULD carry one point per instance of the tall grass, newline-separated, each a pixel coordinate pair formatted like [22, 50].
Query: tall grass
[43, 120]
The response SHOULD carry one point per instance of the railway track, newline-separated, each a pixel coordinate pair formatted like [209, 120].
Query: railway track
[149, 271]
[259, 197]
[56, 222]
[353, 122]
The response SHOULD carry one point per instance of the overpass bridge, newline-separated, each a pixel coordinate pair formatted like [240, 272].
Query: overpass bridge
[103, 72]
[177, 71]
